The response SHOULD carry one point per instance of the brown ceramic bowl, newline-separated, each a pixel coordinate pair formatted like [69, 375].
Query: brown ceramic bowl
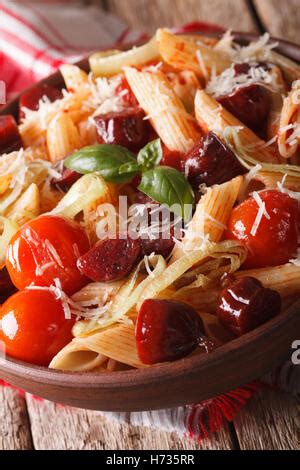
[172, 384]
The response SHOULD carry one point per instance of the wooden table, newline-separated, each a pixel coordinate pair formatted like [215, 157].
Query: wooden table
[271, 420]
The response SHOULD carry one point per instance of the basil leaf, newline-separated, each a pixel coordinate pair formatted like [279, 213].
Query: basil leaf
[151, 155]
[169, 187]
[115, 163]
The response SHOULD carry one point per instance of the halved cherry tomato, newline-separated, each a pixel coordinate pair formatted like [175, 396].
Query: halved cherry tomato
[34, 327]
[275, 241]
[45, 249]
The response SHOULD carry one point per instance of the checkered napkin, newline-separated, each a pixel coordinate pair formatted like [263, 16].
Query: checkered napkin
[35, 39]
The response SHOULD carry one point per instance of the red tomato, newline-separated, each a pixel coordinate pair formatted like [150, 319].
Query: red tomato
[276, 240]
[47, 248]
[34, 327]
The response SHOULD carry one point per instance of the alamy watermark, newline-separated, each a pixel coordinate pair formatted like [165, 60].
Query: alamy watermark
[296, 354]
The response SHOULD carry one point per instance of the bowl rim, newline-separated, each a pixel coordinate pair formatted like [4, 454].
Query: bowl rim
[155, 374]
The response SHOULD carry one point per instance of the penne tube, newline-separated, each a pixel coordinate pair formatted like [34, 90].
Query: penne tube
[185, 84]
[210, 218]
[27, 207]
[76, 357]
[186, 52]
[62, 137]
[74, 77]
[288, 133]
[274, 180]
[211, 116]
[117, 343]
[284, 279]
[176, 128]
[9, 229]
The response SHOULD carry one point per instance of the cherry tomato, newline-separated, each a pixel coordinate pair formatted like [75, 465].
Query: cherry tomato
[34, 327]
[275, 241]
[45, 249]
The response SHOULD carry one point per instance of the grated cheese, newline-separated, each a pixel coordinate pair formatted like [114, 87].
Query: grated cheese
[202, 65]
[260, 214]
[229, 82]
[282, 189]
[253, 172]
[260, 50]
[53, 253]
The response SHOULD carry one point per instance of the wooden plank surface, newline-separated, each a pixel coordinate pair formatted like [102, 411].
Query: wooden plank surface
[271, 421]
[15, 431]
[147, 15]
[280, 18]
[63, 428]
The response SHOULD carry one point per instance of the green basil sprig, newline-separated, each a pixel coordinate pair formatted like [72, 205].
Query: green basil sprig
[151, 155]
[117, 164]
[169, 187]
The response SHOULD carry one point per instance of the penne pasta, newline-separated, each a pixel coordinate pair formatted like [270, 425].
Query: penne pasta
[274, 180]
[210, 218]
[211, 116]
[284, 279]
[76, 357]
[117, 343]
[27, 207]
[185, 52]
[185, 84]
[289, 124]
[177, 129]
[75, 78]
[9, 229]
[62, 137]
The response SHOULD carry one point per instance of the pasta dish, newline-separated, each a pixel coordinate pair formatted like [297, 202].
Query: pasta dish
[150, 208]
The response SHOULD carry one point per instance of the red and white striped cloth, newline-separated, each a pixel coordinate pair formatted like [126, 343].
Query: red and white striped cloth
[35, 38]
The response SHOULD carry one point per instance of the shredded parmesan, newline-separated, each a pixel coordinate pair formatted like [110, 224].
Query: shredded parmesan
[260, 214]
[282, 189]
[229, 82]
[253, 172]
[260, 50]
[53, 253]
